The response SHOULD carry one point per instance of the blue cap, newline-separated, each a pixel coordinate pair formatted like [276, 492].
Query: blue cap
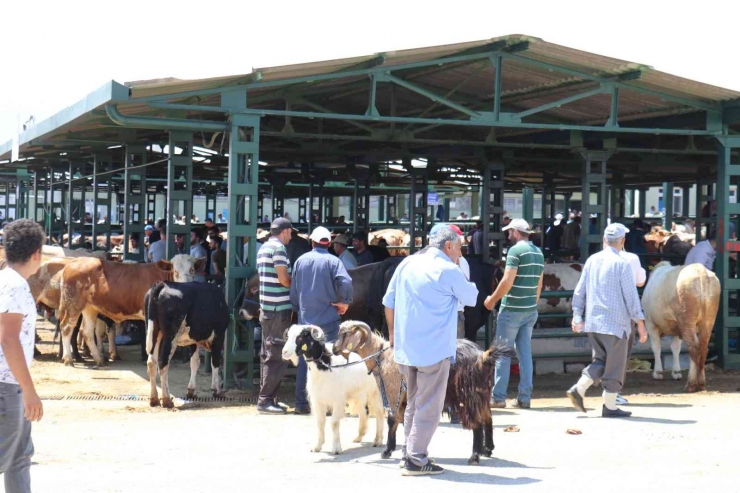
[148, 227]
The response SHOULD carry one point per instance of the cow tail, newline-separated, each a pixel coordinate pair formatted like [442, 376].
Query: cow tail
[151, 314]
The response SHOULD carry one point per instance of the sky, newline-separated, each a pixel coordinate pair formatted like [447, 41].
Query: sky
[53, 53]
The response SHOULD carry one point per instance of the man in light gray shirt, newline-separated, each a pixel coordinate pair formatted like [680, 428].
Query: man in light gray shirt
[157, 249]
[340, 245]
[608, 295]
[704, 252]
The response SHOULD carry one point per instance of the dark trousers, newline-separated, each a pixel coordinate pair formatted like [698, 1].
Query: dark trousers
[273, 366]
[609, 361]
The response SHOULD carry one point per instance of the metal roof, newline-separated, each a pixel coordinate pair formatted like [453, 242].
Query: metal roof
[534, 73]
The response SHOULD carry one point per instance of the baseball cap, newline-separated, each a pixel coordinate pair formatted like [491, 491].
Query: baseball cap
[615, 231]
[148, 227]
[453, 227]
[519, 225]
[321, 235]
[342, 240]
[279, 225]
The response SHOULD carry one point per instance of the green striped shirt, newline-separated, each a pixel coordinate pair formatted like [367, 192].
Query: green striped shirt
[529, 263]
[274, 297]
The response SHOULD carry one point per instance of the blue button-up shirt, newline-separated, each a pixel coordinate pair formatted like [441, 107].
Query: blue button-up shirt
[703, 253]
[607, 293]
[424, 293]
[319, 279]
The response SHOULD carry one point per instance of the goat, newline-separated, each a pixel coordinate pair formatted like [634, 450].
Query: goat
[468, 386]
[333, 388]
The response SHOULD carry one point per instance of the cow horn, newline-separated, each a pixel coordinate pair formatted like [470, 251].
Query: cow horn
[317, 334]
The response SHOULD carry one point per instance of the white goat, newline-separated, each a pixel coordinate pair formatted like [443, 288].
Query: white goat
[334, 388]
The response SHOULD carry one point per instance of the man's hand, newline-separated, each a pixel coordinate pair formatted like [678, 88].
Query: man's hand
[641, 331]
[34, 409]
[577, 327]
[489, 304]
[341, 307]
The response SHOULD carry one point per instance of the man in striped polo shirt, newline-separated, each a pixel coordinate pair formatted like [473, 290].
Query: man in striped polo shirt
[520, 289]
[273, 267]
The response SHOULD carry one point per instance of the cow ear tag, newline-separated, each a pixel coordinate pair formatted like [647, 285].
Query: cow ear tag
[350, 346]
[304, 347]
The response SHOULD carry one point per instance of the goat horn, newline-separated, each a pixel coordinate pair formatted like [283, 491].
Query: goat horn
[317, 333]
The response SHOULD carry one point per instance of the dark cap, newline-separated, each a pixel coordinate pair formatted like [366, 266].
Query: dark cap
[279, 225]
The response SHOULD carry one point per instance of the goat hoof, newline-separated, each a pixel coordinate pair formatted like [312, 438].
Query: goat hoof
[386, 454]
[317, 448]
[692, 388]
[154, 401]
[115, 357]
[676, 375]
[167, 403]
[474, 460]
[487, 453]
[657, 375]
[357, 440]
[190, 394]
[68, 362]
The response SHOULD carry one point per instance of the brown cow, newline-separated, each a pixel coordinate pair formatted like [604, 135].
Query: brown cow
[91, 286]
[682, 302]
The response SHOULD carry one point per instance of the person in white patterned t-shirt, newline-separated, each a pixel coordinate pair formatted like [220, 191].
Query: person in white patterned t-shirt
[19, 402]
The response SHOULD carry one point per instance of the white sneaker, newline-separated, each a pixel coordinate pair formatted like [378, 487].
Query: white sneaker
[621, 401]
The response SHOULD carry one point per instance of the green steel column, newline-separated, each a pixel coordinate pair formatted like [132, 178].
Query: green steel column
[594, 177]
[361, 201]
[70, 205]
[179, 187]
[643, 202]
[668, 204]
[328, 209]
[566, 205]
[492, 215]
[36, 197]
[417, 203]
[277, 202]
[211, 199]
[242, 226]
[528, 204]
[617, 199]
[134, 200]
[727, 173]
[685, 200]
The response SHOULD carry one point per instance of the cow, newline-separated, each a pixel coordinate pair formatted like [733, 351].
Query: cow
[90, 286]
[559, 277]
[682, 302]
[184, 314]
[394, 238]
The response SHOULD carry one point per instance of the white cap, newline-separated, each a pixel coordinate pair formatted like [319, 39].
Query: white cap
[559, 216]
[615, 231]
[519, 225]
[321, 235]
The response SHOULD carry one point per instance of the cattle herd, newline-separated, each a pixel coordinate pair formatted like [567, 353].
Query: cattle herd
[89, 293]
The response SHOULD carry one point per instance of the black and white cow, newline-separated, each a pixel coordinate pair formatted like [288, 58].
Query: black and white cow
[184, 314]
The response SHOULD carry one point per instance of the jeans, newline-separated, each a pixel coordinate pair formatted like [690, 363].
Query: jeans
[515, 329]
[16, 447]
[331, 334]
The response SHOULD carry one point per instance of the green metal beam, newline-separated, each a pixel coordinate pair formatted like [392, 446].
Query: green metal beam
[483, 122]
[560, 102]
[387, 77]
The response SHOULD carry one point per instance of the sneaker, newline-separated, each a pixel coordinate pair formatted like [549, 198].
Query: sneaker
[614, 413]
[302, 410]
[520, 405]
[498, 404]
[576, 399]
[621, 401]
[270, 408]
[405, 459]
[430, 469]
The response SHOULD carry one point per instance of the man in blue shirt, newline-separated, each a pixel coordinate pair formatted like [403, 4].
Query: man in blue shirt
[607, 293]
[321, 291]
[421, 311]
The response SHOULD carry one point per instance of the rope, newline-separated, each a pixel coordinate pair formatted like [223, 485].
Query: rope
[362, 360]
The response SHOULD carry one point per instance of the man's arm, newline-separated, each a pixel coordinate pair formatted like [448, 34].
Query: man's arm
[389, 314]
[502, 289]
[10, 330]
[343, 284]
[539, 285]
[294, 298]
[283, 276]
[465, 292]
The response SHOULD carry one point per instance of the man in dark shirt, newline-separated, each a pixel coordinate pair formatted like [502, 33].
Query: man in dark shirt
[362, 254]
[218, 256]
[320, 291]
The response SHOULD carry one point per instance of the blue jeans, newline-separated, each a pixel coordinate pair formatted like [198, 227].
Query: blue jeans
[515, 330]
[16, 447]
[301, 399]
